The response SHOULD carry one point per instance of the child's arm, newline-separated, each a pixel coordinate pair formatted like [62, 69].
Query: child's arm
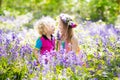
[36, 53]
[75, 45]
[37, 48]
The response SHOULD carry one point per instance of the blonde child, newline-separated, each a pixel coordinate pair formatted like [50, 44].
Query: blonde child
[45, 43]
[67, 38]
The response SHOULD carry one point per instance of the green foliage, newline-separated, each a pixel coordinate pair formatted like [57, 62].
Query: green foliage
[106, 10]
[59, 69]
[11, 70]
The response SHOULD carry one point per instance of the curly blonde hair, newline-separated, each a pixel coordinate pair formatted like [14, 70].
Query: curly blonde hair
[44, 24]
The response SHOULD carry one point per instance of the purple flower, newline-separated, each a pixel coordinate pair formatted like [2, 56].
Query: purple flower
[58, 36]
[30, 71]
[13, 36]
[99, 66]
[92, 72]
[26, 49]
[95, 78]
[92, 33]
[118, 31]
[35, 63]
[2, 51]
[98, 56]
[108, 62]
[1, 32]
[7, 41]
[118, 75]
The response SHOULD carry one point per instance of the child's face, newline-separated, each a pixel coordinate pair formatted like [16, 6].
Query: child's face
[51, 30]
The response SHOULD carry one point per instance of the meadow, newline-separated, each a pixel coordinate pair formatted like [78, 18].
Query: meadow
[98, 59]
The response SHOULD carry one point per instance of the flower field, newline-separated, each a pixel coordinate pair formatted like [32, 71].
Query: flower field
[98, 59]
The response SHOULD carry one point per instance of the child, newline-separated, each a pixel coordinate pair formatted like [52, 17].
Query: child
[68, 39]
[45, 43]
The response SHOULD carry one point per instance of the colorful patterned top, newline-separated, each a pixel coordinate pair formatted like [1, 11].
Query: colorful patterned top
[44, 44]
[63, 45]
[66, 46]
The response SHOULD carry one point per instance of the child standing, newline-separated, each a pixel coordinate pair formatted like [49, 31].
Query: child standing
[45, 43]
[68, 39]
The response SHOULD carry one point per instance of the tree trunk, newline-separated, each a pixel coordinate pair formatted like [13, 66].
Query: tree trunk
[0, 3]
[118, 1]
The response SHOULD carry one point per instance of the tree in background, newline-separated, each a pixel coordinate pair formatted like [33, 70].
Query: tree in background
[0, 3]
[106, 10]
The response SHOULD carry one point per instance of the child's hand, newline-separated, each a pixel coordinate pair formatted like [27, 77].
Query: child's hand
[37, 63]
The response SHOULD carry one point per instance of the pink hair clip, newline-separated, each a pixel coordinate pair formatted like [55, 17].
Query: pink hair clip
[72, 24]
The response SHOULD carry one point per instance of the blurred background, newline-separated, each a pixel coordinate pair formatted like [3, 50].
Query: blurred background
[94, 10]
